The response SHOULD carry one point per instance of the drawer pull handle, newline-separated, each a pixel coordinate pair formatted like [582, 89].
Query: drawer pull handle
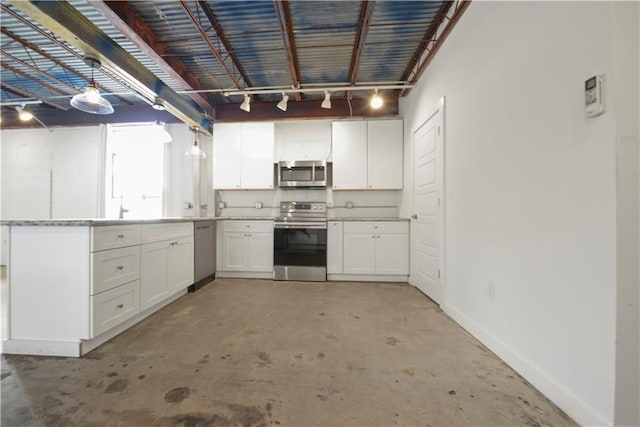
[120, 236]
[120, 267]
[120, 306]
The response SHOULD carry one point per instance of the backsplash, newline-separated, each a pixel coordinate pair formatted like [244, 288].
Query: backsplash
[365, 204]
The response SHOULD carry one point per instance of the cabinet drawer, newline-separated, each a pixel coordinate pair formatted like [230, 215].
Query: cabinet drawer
[159, 232]
[114, 306]
[114, 236]
[257, 226]
[377, 227]
[114, 268]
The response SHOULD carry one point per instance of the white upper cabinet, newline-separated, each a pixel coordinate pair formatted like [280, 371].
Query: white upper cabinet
[349, 155]
[243, 155]
[384, 143]
[367, 155]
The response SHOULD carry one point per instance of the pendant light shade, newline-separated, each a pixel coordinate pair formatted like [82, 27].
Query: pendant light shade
[195, 150]
[90, 101]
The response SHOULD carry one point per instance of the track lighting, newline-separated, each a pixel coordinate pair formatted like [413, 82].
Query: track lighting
[23, 114]
[283, 103]
[376, 100]
[161, 132]
[246, 104]
[326, 103]
[90, 101]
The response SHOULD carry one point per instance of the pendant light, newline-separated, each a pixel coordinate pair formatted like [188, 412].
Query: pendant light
[195, 150]
[90, 101]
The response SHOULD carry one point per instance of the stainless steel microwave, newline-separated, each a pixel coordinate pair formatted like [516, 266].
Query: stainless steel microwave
[302, 173]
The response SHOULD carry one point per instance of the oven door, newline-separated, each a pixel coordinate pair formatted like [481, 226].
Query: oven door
[300, 252]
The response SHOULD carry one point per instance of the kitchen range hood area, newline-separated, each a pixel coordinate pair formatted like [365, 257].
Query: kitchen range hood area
[470, 189]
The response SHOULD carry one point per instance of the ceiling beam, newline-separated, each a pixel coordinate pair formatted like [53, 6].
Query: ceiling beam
[460, 7]
[366, 12]
[307, 109]
[70, 88]
[212, 47]
[225, 42]
[286, 28]
[40, 82]
[129, 22]
[26, 94]
[54, 40]
[70, 25]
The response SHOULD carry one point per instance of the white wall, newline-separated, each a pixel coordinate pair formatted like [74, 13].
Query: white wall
[51, 174]
[530, 198]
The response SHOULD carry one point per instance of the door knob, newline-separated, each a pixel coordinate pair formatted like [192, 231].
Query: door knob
[414, 216]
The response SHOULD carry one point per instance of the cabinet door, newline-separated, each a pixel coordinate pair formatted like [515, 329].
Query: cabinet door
[180, 264]
[257, 155]
[349, 155]
[154, 286]
[392, 254]
[227, 155]
[260, 247]
[334, 247]
[359, 254]
[385, 141]
[234, 251]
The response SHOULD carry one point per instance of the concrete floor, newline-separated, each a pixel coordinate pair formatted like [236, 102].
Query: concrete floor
[262, 353]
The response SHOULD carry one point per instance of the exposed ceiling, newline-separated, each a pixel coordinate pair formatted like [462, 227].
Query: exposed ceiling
[190, 55]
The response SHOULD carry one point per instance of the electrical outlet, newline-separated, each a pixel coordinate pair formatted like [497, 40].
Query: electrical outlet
[491, 290]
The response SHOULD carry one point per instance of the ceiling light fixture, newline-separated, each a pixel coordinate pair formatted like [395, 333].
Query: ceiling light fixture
[376, 100]
[326, 103]
[195, 150]
[283, 103]
[23, 114]
[246, 104]
[158, 104]
[90, 101]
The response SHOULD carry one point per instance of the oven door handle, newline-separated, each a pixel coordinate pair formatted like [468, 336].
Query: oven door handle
[290, 225]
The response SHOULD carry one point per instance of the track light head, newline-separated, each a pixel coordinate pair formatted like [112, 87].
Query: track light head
[376, 100]
[246, 104]
[326, 103]
[283, 103]
[23, 114]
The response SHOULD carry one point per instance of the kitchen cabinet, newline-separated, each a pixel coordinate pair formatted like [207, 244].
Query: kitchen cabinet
[334, 247]
[167, 261]
[92, 280]
[247, 246]
[243, 156]
[367, 155]
[376, 248]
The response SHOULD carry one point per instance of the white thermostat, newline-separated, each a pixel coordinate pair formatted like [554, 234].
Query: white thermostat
[593, 96]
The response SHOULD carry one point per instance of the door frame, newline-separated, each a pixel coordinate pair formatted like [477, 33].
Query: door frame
[439, 106]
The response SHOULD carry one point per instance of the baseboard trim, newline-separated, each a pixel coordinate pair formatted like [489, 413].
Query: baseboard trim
[244, 275]
[367, 278]
[42, 348]
[577, 409]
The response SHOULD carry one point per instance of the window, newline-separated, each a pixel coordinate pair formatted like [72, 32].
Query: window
[135, 172]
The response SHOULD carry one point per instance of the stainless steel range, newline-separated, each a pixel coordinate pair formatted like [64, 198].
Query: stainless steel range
[300, 242]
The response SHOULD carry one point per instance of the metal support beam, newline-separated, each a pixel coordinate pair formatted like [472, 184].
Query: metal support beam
[286, 28]
[26, 94]
[40, 82]
[366, 12]
[212, 47]
[73, 27]
[129, 22]
[439, 39]
[223, 39]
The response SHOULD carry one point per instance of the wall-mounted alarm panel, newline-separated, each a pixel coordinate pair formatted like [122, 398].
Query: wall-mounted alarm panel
[593, 96]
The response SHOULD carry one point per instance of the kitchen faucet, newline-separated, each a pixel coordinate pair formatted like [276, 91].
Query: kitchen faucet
[122, 209]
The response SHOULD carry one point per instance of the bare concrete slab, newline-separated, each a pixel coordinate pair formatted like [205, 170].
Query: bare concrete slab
[262, 353]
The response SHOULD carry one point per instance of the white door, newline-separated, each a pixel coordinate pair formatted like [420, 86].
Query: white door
[227, 155]
[384, 154]
[334, 247]
[155, 274]
[180, 264]
[260, 256]
[359, 254]
[427, 183]
[257, 155]
[234, 251]
[392, 254]
[349, 155]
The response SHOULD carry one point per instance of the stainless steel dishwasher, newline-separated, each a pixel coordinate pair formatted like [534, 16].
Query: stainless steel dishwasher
[204, 253]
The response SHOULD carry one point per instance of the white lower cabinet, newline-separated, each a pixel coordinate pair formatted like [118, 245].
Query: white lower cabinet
[112, 307]
[167, 266]
[247, 246]
[376, 248]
